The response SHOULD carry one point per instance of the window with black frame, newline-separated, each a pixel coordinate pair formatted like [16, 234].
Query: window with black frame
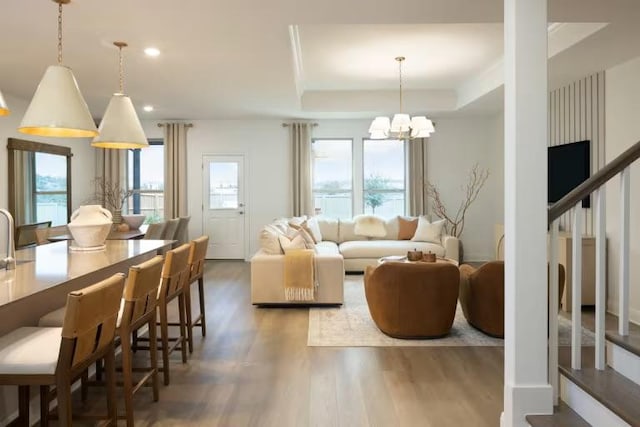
[146, 180]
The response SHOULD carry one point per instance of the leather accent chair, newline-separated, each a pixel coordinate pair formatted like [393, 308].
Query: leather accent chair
[482, 296]
[412, 300]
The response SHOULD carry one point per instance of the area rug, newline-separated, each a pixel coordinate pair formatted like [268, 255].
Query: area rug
[351, 326]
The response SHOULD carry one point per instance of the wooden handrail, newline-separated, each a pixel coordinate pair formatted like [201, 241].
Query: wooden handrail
[598, 179]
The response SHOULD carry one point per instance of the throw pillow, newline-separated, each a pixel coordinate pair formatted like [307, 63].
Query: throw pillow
[407, 228]
[428, 231]
[370, 226]
[296, 242]
[269, 240]
[314, 229]
[303, 228]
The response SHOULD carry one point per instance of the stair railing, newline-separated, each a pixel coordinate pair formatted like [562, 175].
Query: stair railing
[573, 200]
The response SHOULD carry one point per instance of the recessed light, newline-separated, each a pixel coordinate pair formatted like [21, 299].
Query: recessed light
[152, 51]
[148, 108]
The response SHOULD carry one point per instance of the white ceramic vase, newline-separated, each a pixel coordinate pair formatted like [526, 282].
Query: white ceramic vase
[90, 226]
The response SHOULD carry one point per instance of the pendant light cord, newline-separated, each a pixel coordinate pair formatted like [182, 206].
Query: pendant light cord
[400, 59]
[60, 33]
[121, 71]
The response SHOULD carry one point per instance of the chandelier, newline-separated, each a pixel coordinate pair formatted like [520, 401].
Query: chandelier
[402, 126]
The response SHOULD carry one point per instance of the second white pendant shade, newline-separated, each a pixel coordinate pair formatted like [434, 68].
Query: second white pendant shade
[120, 126]
[4, 110]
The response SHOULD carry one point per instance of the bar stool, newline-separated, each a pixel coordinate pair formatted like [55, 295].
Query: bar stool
[175, 273]
[137, 309]
[56, 356]
[197, 254]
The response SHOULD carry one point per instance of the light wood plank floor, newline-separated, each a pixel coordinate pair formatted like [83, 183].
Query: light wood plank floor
[254, 369]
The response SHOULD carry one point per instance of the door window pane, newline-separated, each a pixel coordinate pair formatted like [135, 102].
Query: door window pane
[223, 185]
[384, 177]
[333, 177]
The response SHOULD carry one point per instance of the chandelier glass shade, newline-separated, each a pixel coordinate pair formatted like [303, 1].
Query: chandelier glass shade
[120, 127]
[57, 108]
[4, 110]
[402, 125]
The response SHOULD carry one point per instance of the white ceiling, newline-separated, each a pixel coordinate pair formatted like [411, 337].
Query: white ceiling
[299, 58]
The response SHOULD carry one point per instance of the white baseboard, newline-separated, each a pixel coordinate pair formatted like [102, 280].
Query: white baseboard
[634, 314]
[587, 407]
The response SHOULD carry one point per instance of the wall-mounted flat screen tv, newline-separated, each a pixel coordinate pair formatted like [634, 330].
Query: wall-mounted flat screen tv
[569, 165]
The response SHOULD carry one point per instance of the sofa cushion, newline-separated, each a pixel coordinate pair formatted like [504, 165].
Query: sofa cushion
[328, 228]
[391, 225]
[406, 228]
[369, 226]
[268, 239]
[428, 231]
[346, 231]
[380, 248]
[304, 230]
[327, 248]
[314, 228]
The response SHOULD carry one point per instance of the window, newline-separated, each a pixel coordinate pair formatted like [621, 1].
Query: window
[373, 170]
[384, 177]
[50, 188]
[333, 177]
[146, 179]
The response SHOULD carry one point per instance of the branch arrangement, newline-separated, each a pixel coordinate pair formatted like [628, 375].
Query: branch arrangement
[455, 224]
[110, 194]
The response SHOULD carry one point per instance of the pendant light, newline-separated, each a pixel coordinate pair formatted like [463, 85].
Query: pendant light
[57, 108]
[4, 110]
[402, 126]
[120, 126]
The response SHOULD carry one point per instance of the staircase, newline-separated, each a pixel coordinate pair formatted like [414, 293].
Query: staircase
[597, 386]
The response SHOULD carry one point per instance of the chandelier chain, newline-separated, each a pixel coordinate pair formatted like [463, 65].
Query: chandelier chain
[60, 33]
[121, 70]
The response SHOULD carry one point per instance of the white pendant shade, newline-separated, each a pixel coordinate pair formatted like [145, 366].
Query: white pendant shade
[120, 126]
[57, 108]
[400, 123]
[4, 110]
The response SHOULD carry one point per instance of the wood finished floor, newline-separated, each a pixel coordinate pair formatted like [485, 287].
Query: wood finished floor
[254, 369]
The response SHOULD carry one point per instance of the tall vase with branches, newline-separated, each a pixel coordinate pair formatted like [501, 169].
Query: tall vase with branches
[112, 196]
[454, 223]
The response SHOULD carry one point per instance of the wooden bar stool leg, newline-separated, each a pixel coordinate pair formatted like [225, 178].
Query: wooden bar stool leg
[153, 350]
[164, 337]
[127, 374]
[187, 303]
[183, 329]
[84, 385]
[110, 373]
[63, 394]
[23, 405]
[44, 406]
[203, 323]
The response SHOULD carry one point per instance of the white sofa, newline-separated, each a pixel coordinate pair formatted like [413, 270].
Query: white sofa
[338, 250]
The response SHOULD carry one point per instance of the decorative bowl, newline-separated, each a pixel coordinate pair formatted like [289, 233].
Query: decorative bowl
[134, 221]
[414, 255]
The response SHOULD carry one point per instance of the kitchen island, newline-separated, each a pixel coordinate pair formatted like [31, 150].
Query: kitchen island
[45, 274]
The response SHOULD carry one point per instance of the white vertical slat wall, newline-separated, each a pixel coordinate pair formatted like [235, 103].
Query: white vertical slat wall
[576, 113]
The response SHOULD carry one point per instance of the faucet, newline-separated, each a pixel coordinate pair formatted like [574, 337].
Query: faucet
[10, 261]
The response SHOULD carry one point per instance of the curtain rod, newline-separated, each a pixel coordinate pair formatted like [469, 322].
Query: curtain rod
[284, 125]
[189, 125]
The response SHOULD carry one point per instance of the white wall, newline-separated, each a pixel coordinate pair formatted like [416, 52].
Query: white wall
[623, 130]
[82, 163]
[265, 147]
[453, 149]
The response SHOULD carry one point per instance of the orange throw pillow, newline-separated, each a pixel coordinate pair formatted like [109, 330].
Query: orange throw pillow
[407, 228]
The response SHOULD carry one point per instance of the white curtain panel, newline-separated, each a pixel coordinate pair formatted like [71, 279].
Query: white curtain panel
[302, 169]
[175, 170]
[417, 176]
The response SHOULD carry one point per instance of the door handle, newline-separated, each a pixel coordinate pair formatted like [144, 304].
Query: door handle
[241, 212]
[241, 205]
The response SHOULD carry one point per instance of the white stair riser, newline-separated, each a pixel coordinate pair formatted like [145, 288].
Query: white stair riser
[587, 407]
[624, 362]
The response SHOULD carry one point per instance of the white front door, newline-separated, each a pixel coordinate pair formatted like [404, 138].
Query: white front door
[223, 205]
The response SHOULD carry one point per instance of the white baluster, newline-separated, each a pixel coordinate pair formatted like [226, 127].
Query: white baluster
[601, 298]
[623, 287]
[553, 310]
[576, 289]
